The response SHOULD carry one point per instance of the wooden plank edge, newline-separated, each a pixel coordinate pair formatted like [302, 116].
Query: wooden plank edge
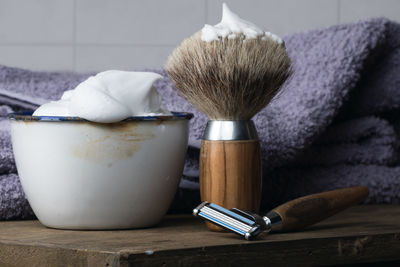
[306, 252]
[39, 255]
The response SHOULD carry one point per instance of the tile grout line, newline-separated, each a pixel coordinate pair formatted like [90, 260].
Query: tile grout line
[74, 38]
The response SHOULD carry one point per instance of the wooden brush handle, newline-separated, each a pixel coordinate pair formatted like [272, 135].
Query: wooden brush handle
[305, 211]
[230, 174]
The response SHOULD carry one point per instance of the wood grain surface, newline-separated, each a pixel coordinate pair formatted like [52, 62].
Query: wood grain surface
[230, 175]
[307, 210]
[360, 234]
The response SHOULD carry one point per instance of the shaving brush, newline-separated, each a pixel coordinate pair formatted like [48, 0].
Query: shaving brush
[230, 80]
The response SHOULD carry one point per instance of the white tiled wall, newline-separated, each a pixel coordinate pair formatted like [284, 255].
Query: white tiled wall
[94, 35]
[280, 16]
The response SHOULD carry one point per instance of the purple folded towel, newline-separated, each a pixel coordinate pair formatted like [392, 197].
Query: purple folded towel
[13, 204]
[333, 125]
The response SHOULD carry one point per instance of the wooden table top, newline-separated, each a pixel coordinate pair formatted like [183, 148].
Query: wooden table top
[369, 233]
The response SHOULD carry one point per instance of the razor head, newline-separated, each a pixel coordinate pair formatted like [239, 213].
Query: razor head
[234, 220]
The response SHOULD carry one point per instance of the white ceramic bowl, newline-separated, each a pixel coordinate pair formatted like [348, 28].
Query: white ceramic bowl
[83, 175]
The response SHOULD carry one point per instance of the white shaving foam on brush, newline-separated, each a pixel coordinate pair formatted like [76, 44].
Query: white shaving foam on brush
[231, 26]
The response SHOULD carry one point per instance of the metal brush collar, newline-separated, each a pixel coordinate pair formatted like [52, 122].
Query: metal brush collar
[230, 130]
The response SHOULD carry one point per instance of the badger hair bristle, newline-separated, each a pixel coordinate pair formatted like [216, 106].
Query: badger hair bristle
[229, 79]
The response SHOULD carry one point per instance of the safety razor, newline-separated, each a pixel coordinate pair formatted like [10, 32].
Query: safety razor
[293, 215]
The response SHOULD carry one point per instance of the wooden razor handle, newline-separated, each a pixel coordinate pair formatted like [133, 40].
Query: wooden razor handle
[308, 210]
[230, 175]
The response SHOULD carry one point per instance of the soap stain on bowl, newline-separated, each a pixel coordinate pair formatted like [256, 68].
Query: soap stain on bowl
[117, 141]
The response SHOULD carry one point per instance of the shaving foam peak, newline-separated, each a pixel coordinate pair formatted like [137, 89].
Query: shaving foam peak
[231, 26]
[110, 96]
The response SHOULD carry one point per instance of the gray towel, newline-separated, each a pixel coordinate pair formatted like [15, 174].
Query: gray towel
[334, 124]
[13, 204]
[7, 163]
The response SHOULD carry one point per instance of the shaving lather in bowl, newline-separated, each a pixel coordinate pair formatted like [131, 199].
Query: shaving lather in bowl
[107, 155]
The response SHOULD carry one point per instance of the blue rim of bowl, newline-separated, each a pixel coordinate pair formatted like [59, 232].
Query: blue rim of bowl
[27, 116]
